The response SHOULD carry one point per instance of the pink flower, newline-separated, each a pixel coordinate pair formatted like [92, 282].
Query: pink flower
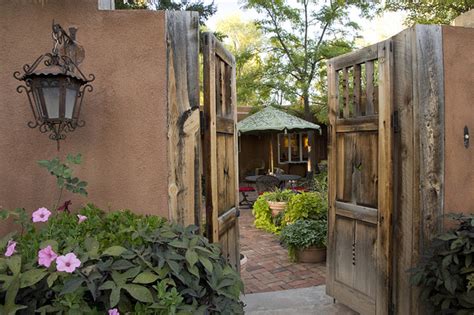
[41, 215]
[114, 311]
[46, 256]
[82, 218]
[67, 263]
[10, 248]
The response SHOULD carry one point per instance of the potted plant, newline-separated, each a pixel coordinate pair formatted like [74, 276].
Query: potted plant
[305, 240]
[278, 200]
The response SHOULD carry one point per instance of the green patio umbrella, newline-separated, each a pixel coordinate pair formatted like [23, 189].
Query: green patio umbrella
[271, 119]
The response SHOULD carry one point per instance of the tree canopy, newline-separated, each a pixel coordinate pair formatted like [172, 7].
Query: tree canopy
[429, 11]
[205, 10]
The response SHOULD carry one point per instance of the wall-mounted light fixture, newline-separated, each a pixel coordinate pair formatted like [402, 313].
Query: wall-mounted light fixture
[55, 86]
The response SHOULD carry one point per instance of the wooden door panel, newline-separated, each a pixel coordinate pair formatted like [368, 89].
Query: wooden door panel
[357, 168]
[220, 148]
[360, 178]
[344, 268]
[366, 251]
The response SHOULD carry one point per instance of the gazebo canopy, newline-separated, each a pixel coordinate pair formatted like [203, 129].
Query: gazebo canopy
[271, 119]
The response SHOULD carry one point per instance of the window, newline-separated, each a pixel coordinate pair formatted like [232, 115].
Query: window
[292, 148]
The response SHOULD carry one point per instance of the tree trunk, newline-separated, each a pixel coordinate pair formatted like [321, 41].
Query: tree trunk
[311, 136]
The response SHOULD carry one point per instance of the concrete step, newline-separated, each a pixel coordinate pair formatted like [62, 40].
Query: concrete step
[305, 301]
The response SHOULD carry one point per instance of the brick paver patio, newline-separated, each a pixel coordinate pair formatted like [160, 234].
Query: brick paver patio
[268, 267]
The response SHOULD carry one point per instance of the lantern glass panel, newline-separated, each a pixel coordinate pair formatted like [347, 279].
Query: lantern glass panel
[71, 96]
[37, 99]
[51, 99]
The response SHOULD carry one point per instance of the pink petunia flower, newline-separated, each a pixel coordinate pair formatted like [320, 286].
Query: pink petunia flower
[67, 263]
[10, 248]
[41, 215]
[114, 311]
[82, 218]
[46, 256]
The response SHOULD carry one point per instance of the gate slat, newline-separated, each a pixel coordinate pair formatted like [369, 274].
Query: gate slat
[346, 110]
[369, 73]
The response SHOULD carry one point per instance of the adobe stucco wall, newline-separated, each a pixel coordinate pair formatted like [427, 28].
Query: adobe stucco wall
[124, 140]
[458, 47]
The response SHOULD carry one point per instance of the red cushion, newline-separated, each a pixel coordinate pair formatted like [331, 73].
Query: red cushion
[245, 189]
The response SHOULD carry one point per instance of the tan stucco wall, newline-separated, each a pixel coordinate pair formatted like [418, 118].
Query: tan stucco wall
[124, 140]
[466, 19]
[458, 47]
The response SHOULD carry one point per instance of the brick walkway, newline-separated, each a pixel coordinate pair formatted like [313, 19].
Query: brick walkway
[268, 267]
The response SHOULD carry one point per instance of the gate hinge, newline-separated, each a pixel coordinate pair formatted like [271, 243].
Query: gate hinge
[202, 122]
[395, 122]
[237, 212]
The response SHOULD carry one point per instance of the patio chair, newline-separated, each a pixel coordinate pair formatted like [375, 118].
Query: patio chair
[277, 170]
[245, 190]
[266, 183]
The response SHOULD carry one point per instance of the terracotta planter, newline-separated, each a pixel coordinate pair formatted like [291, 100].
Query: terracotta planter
[311, 254]
[277, 206]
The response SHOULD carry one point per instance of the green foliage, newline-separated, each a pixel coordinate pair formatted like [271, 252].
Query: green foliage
[205, 10]
[445, 275]
[263, 215]
[303, 234]
[301, 36]
[63, 173]
[139, 264]
[470, 284]
[279, 195]
[245, 41]
[429, 11]
[307, 205]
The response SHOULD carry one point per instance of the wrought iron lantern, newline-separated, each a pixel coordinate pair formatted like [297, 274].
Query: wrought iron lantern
[55, 86]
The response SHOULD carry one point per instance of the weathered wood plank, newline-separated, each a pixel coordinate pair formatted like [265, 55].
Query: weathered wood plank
[385, 178]
[356, 57]
[184, 184]
[358, 301]
[353, 211]
[365, 277]
[404, 172]
[332, 170]
[210, 136]
[430, 86]
[225, 125]
[344, 250]
[364, 123]
[357, 90]
[369, 75]
[346, 108]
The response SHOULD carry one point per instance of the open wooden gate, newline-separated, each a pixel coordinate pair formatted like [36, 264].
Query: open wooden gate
[360, 178]
[220, 148]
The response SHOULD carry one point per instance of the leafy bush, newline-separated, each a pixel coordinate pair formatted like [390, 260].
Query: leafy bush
[303, 234]
[64, 175]
[311, 205]
[279, 195]
[137, 264]
[446, 273]
[263, 215]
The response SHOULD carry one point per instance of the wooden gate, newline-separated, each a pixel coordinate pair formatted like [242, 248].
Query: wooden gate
[360, 178]
[220, 148]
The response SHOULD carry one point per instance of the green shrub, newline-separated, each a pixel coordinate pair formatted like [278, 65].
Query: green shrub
[279, 195]
[311, 205]
[303, 234]
[446, 273]
[137, 264]
[263, 215]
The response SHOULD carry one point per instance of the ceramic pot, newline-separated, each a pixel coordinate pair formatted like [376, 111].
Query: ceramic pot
[277, 206]
[311, 254]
